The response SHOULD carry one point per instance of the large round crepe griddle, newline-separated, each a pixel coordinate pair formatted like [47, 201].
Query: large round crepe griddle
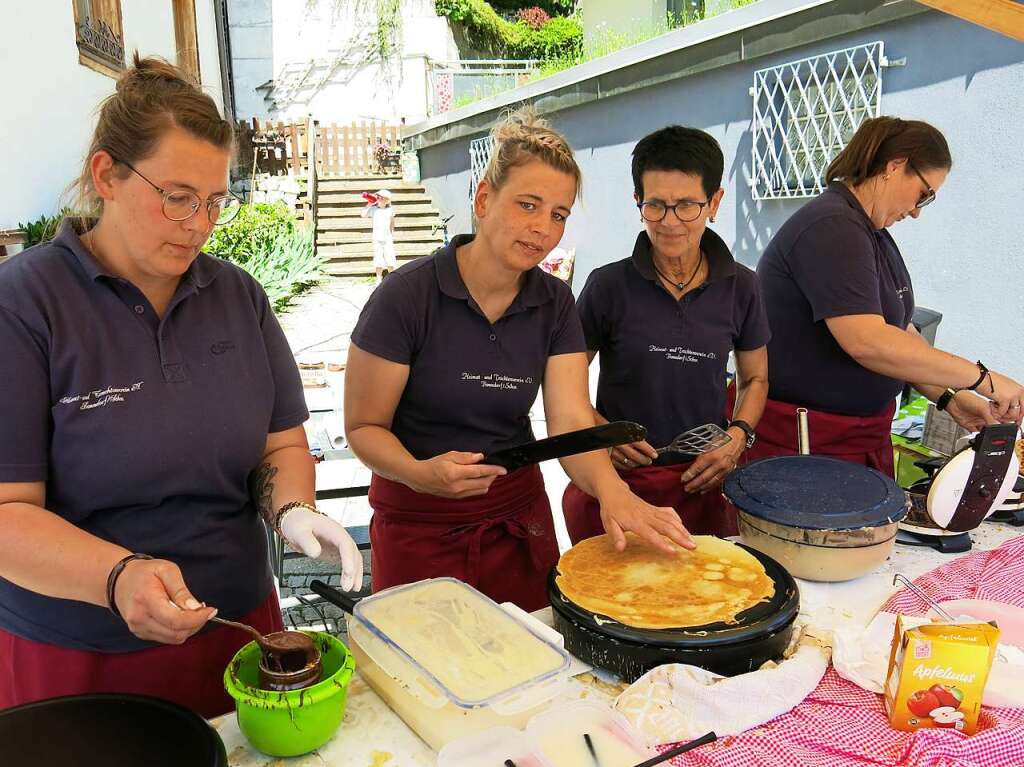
[759, 633]
[108, 730]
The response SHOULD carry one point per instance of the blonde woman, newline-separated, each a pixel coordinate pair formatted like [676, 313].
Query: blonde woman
[143, 381]
[446, 361]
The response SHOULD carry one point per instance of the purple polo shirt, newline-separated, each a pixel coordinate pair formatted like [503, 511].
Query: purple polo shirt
[143, 429]
[828, 260]
[471, 384]
[663, 360]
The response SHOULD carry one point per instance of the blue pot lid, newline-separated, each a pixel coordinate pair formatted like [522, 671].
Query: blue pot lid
[816, 493]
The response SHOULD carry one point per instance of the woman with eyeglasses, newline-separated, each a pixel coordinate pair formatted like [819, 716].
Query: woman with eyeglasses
[840, 302]
[664, 322]
[143, 383]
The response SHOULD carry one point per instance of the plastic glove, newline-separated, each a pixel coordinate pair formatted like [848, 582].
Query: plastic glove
[320, 537]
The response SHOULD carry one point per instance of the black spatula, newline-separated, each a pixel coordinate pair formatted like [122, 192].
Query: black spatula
[570, 443]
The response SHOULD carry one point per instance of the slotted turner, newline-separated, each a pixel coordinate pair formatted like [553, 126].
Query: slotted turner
[698, 440]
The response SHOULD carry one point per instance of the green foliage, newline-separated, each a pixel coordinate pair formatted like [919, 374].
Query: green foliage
[486, 30]
[255, 229]
[286, 267]
[44, 228]
[387, 37]
[558, 43]
[553, 7]
[264, 239]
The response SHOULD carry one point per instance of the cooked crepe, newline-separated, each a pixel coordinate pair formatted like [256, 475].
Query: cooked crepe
[1020, 455]
[646, 588]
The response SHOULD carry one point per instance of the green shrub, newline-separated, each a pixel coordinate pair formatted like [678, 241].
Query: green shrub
[486, 30]
[265, 240]
[286, 267]
[254, 230]
[44, 228]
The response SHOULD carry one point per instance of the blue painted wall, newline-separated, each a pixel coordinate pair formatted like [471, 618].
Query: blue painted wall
[965, 252]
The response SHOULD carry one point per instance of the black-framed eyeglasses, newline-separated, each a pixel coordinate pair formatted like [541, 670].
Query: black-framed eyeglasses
[685, 210]
[181, 205]
[929, 196]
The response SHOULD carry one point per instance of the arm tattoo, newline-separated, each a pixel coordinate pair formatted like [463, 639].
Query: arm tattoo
[261, 488]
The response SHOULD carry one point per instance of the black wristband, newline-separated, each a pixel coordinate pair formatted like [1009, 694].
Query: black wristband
[944, 399]
[981, 378]
[747, 429]
[115, 573]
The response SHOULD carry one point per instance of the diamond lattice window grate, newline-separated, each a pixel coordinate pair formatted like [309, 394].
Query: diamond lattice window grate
[805, 112]
[479, 156]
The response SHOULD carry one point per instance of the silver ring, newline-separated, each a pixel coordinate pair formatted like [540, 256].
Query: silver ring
[1015, 407]
[627, 462]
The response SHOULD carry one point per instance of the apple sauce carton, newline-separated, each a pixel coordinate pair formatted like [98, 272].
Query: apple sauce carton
[937, 673]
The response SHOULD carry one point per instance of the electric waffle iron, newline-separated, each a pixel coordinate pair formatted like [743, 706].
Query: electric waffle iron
[962, 492]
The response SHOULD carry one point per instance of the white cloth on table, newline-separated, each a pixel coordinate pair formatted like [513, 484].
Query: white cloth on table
[676, 702]
[861, 655]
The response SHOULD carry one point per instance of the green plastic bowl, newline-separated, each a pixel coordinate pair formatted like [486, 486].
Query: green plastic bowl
[295, 722]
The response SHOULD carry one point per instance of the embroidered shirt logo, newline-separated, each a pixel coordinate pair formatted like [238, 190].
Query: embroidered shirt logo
[222, 346]
[681, 353]
[497, 380]
[101, 397]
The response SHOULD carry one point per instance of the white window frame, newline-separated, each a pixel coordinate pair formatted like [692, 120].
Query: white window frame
[805, 112]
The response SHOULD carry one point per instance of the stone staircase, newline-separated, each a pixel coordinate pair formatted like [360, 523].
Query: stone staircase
[344, 235]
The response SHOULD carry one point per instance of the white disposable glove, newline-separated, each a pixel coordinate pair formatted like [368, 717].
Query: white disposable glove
[320, 537]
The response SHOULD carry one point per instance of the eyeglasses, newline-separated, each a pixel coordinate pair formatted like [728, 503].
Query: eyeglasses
[182, 205]
[929, 196]
[685, 210]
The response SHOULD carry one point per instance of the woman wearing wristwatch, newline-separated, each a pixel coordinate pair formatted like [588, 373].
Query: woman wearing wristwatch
[664, 322]
[840, 302]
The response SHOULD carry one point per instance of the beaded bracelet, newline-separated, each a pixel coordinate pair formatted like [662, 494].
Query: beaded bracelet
[115, 573]
[279, 516]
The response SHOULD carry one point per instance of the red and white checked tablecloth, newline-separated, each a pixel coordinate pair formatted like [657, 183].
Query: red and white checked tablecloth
[841, 725]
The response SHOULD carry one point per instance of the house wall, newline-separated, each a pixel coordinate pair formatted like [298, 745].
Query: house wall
[964, 252]
[268, 35]
[50, 100]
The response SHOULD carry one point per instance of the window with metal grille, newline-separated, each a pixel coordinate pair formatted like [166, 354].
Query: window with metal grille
[805, 112]
[479, 155]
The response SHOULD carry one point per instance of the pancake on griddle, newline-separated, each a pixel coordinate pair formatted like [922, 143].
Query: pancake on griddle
[646, 588]
[1019, 447]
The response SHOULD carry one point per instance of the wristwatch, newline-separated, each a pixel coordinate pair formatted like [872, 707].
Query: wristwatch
[747, 429]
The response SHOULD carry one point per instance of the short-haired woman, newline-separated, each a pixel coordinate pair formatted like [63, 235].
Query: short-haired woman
[664, 322]
[840, 302]
[445, 364]
[143, 381]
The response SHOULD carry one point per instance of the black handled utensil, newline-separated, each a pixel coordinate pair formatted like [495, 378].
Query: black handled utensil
[332, 595]
[672, 752]
[570, 443]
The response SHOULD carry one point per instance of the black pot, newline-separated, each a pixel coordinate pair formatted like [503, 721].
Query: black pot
[108, 730]
[760, 634]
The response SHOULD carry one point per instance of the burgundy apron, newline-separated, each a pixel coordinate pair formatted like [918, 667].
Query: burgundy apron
[861, 440]
[701, 513]
[190, 674]
[501, 543]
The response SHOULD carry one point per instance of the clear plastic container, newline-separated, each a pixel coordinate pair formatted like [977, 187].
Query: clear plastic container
[450, 661]
[554, 738]
[492, 748]
[560, 735]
